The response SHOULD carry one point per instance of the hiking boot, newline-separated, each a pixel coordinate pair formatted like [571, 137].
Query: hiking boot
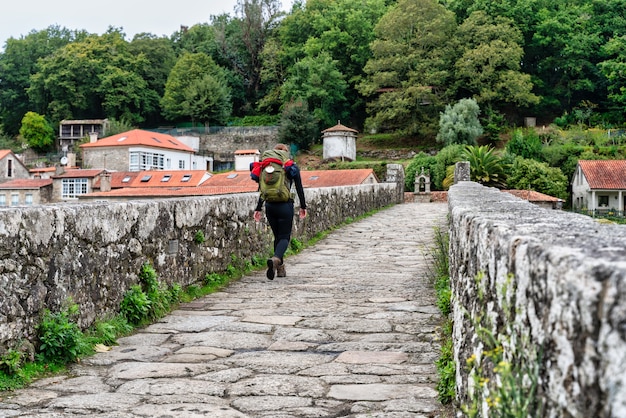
[272, 265]
[280, 270]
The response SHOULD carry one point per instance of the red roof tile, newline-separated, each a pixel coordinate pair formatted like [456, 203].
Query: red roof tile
[533, 196]
[140, 137]
[604, 174]
[340, 128]
[4, 153]
[175, 178]
[247, 151]
[78, 173]
[331, 178]
[25, 184]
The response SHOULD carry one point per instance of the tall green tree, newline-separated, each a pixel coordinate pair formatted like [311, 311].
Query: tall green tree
[195, 77]
[92, 78]
[614, 69]
[37, 132]
[241, 40]
[319, 82]
[488, 68]
[18, 63]
[343, 29]
[408, 77]
[298, 125]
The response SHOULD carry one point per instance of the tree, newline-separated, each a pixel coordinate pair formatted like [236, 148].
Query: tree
[318, 82]
[614, 69]
[343, 29]
[36, 131]
[18, 63]
[298, 125]
[526, 144]
[207, 100]
[195, 77]
[95, 77]
[459, 124]
[488, 68]
[408, 77]
[526, 174]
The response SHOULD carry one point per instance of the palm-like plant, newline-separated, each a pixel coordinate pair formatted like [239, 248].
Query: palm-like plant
[485, 167]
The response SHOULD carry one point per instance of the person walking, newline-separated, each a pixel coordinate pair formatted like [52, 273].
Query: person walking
[280, 214]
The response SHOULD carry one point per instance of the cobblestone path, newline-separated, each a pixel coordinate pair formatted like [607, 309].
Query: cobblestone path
[351, 332]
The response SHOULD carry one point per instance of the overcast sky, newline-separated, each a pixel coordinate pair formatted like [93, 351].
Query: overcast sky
[159, 17]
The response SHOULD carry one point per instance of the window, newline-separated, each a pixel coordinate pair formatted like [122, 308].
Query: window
[3, 200]
[186, 178]
[29, 199]
[9, 168]
[146, 178]
[71, 188]
[603, 201]
[231, 176]
[15, 199]
[126, 179]
[181, 164]
[166, 178]
[140, 160]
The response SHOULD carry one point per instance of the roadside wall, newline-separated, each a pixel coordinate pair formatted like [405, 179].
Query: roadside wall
[93, 252]
[536, 292]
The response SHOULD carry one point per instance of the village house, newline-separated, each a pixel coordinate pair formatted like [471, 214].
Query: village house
[25, 192]
[599, 186]
[73, 131]
[11, 167]
[139, 150]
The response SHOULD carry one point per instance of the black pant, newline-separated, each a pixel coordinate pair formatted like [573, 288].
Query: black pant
[280, 218]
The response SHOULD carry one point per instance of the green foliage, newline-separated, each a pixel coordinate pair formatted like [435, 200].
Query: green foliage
[485, 166]
[295, 245]
[318, 81]
[412, 52]
[459, 124]
[199, 238]
[62, 340]
[196, 88]
[36, 131]
[525, 143]
[488, 66]
[446, 367]
[11, 362]
[298, 125]
[255, 120]
[528, 174]
[27, 374]
[494, 124]
[136, 305]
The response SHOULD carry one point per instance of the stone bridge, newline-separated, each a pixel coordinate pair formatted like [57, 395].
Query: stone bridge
[538, 309]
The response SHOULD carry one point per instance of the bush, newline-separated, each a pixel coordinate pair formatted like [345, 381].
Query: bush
[61, 339]
[421, 160]
[459, 124]
[525, 144]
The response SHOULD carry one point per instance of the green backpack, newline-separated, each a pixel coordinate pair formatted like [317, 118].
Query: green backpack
[273, 181]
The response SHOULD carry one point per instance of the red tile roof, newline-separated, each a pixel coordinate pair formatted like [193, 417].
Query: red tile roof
[604, 174]
[25, 184]
[340, 128]
[533, 196]
[247, 151]
[140, 137]
[42, 170]
[4, 153]
[331, 178]
[78, 173]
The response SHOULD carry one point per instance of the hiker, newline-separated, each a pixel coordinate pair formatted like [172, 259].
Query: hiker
[279, 211]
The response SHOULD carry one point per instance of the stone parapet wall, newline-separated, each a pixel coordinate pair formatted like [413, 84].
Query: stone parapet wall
[93, 252]
[537, 290]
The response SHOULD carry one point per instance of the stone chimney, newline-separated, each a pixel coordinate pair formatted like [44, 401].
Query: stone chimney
[93, 137]
[105, 181]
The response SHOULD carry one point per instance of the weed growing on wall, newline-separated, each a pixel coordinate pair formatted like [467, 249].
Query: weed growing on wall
[199, 238]
[446, 367]
[504, 371]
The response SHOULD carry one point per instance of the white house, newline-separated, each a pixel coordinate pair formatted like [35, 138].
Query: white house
[139, 150]
[599, 185]
[245, 157]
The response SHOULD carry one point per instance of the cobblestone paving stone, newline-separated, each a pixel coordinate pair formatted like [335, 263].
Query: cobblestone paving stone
[350, 332]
